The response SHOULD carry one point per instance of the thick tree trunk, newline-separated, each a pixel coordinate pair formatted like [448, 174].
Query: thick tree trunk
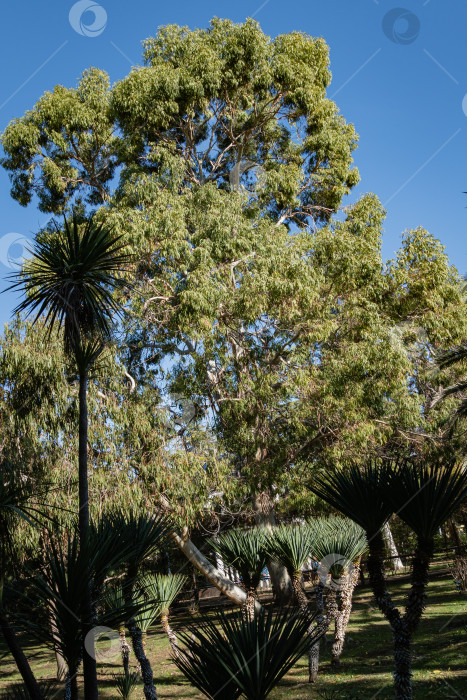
[89, 662]
[149, 688]
[396, 562]
[19, 657]
[343, 615]
[321, 627]
[195, 557]
[280, 579]
[417, 597]
[402, 663]
[62, 667]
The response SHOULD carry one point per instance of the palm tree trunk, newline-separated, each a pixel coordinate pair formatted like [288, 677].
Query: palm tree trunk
[171, 634]
[62, 667]
[419, 579]
[248, 608]
[343, 616]
[125, 649]
[71, 686]
[89, 662]
[321, 626]
[402, 662]
[19, 657]
[149, 689]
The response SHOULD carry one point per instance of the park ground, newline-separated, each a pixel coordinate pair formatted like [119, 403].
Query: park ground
[440, 655]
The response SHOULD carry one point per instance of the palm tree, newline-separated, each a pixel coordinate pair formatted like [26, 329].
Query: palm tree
[145, 536]
[71, 278]
[338, 545]
[424, 496]
[161, 590]
[245, 550]
[226, 657]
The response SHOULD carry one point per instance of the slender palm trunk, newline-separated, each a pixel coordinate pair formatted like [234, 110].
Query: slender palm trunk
[71, 685]
[19, 657]
[171, 634]
[343, 616]
[125, 649]
[149, 688]
[89, 662]
[137, 643]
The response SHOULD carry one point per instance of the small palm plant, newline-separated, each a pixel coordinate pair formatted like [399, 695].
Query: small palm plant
[338, 545]
[71, 278]
[226, 657]
[422, 495]
[245, 550]
[161, 590]
[126, 684]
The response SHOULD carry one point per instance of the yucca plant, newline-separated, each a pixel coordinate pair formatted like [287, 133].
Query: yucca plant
[70, 279]
[424, 496]
[15, 504]
[62, 587]
[338, 545]
[161, 590]
[225, 657]
[126, 684]
[20, 691]
[245, 550]
[292, 546]
[145, 536]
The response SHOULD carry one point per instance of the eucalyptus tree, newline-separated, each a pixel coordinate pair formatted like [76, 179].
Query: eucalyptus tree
[423, 495]
[70, 279]
[275, 317]
[244, 550]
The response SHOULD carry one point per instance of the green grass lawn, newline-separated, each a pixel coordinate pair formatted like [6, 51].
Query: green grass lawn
[440, 663]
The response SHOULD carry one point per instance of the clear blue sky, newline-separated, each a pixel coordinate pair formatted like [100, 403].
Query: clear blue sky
[400, 75]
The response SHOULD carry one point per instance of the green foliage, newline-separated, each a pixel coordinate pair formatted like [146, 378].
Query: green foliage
[339, 542]
[245, 550]
[70, 279]
[292, 545]
[126, 684]
[359, 493]
[163, 589]
[425, 495]
[232, 656]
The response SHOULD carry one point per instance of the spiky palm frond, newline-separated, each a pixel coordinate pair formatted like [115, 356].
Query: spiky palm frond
[291, 545]
[424, 496]
[126, 684]
[143, 535]
[71, 278]
[20, 692]
[163, 588]
[245, 551]
[358, 493]
[338, 542]
[229, 656]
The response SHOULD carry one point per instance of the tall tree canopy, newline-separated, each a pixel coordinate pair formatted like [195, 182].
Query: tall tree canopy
[224, 164]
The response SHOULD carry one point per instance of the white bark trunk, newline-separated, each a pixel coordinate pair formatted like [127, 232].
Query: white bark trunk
[225, 585]
[396, 562]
